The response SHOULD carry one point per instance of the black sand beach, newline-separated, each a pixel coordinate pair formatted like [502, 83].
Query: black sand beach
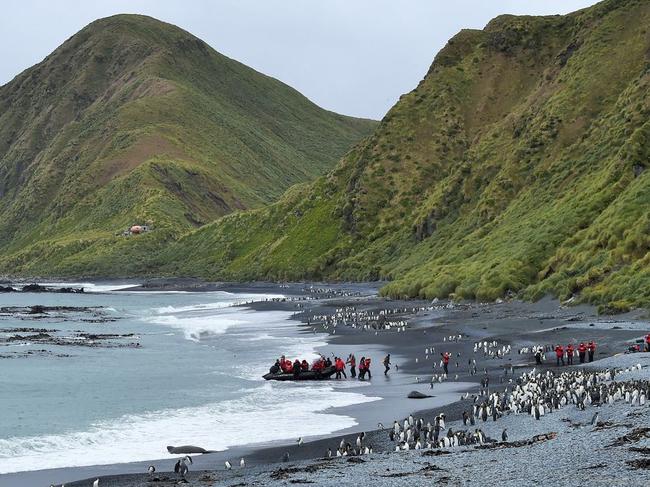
[513, 324]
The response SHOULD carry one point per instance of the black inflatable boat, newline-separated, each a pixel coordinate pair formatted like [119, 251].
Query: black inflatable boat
[326, 373]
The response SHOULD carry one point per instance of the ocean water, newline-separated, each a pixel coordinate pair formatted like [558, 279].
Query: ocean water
[196, 379]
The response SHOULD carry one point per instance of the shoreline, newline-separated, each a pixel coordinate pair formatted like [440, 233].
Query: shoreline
[513, 323]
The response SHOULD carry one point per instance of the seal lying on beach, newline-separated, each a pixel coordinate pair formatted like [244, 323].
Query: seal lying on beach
[187, 449]
[417, 395]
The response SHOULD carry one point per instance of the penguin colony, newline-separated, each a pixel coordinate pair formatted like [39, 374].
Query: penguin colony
[534, 394]
[369, 320]
[384, 319]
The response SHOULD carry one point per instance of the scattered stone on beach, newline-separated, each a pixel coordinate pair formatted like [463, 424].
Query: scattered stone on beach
[599, 465]
[643, 450]
[283, 473]
[518, 444]
[356, 460]
[417, 395]
[605, 425]
[636, 435]
[642, 463]
[426, 470]
[435, 453]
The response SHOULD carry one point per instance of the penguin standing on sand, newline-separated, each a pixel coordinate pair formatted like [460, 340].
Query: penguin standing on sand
[594, 419]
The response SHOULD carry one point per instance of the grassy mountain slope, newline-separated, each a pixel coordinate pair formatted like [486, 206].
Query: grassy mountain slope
[135, 120]
[516, 165]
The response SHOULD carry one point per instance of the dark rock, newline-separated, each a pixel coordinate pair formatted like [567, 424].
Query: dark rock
[37, 288]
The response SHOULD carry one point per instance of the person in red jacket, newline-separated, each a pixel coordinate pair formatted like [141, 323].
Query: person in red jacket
[286, 365]
[569, 354]
[559, 354]
[340, 367]
[352, 362]
[445, 362]
[591, 349]
[647, 342]
[304, 365]
[362, 368]
[582, 351]
[366, 368]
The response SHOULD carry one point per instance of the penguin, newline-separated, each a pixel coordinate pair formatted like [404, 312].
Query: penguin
[329, 453]
[151, 470]
[285, 457]
[300, 441]
[228, 465]
[242, 463]
[96, 483]
[504, 435]
[594, 419]
[184, 469]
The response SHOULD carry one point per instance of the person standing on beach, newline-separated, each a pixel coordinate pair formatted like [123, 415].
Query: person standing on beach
[362, 368]
[445, 362]
[582, 350]
[569, 354]
[386, 364]
[559, 354]
[340, 367]
[352, 361]
[591, 348]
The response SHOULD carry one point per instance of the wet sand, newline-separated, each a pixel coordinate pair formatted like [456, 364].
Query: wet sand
[514, 323]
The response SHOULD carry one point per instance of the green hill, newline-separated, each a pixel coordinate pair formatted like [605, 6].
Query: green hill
[517, 165]
[133, 120]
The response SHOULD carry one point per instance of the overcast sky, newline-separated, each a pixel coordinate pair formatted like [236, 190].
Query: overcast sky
[352, 56]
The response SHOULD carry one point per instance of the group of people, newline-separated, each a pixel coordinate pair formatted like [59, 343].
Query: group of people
[364, 367]
[296, 367]
[583, 350]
